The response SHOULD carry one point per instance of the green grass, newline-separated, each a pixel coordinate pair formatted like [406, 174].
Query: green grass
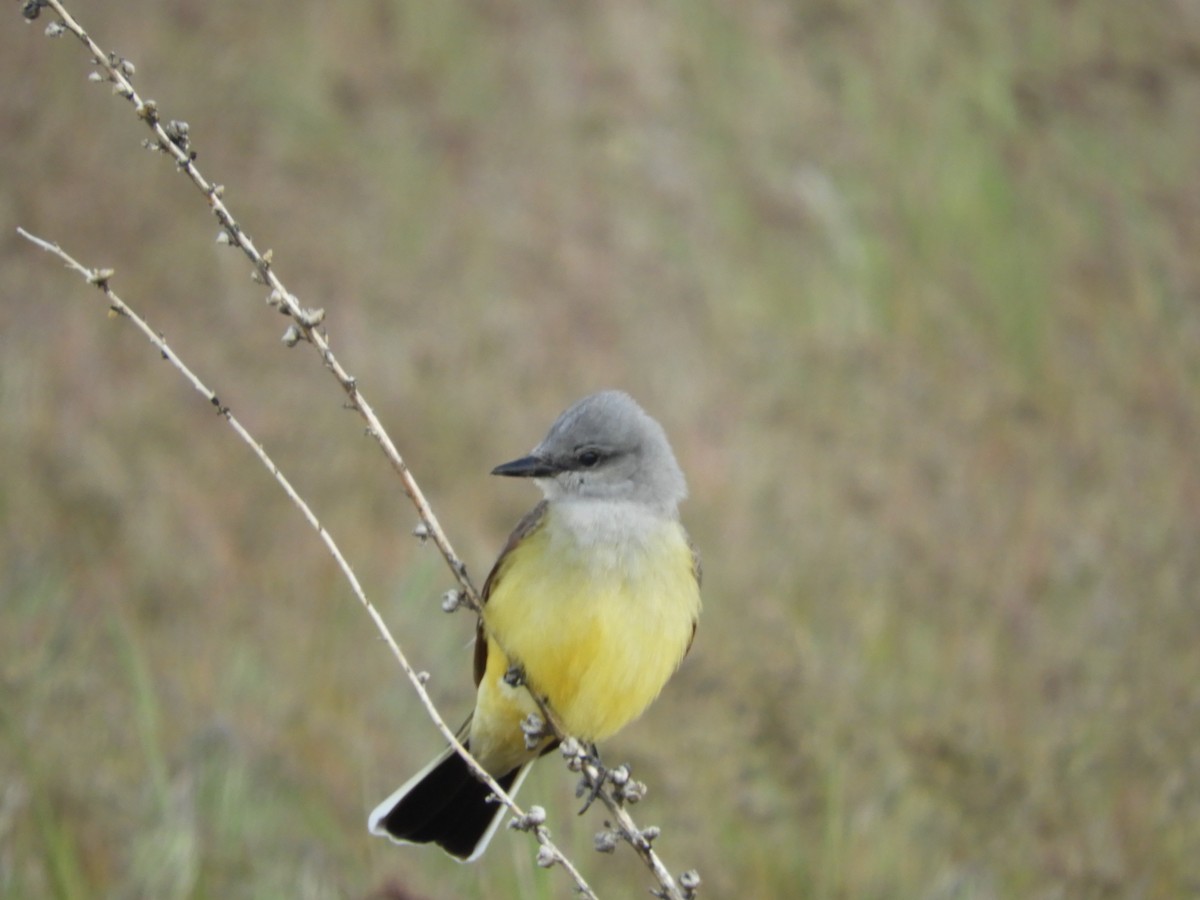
[912, 288]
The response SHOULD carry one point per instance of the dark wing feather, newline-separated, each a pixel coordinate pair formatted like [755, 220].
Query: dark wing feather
[698, 572]
[696, 568]
[524, 528]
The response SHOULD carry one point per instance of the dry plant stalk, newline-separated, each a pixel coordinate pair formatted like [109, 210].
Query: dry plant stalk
[100, 279]
[611, 787]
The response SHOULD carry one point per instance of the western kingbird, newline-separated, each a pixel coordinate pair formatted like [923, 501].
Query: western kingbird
[594, 599]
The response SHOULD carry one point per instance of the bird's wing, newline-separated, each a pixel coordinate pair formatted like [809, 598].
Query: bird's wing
[698, 573]
[524, 528]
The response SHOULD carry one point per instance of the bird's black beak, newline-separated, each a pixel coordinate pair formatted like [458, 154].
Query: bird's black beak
[526, 467]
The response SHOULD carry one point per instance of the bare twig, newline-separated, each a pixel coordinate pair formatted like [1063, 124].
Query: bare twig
[549, 853]
[174, 139]
[640, 840]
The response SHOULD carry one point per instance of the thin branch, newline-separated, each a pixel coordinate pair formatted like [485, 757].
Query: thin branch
[174, 139]
[640, 840]
[527, 821]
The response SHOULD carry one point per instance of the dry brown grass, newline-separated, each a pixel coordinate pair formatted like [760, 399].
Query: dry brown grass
[913, 288]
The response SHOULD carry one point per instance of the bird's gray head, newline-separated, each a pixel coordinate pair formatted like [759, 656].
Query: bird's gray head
[605, 447]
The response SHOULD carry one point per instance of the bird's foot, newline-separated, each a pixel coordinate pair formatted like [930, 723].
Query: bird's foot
[594, 775]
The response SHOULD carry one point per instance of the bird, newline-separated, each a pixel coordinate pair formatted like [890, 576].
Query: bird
[592, 605]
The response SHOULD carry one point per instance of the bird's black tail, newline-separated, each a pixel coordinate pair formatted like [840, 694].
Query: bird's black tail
[445, 804]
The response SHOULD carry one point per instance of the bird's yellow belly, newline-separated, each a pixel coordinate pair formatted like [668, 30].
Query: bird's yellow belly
[597, 629]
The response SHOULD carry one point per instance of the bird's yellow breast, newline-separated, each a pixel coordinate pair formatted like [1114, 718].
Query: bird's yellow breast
[598, 612]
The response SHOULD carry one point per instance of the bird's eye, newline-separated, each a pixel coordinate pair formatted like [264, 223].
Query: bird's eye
[589, 458]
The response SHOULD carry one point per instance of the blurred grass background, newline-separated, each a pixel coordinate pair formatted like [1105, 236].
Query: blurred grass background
[914, 288]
